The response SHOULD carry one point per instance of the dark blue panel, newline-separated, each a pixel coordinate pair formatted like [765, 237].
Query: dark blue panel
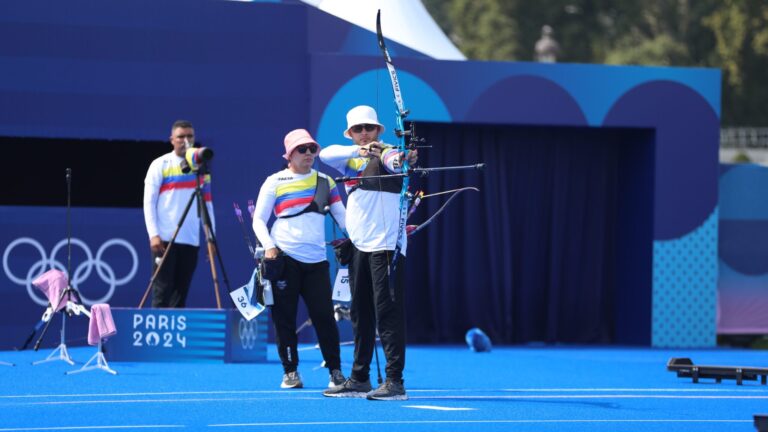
[110, 260]
[550, 259]
[90, 69]
[687, 131]
[634, 256]
[526, 100]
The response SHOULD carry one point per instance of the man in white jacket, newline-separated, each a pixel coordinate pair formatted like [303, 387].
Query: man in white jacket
[167, 190]
[373, 213]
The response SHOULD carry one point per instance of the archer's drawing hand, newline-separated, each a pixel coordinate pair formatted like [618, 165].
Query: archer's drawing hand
[372, 149]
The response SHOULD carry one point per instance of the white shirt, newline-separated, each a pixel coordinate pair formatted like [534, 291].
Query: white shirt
[302, 237]
[372, 217]
[166, 193]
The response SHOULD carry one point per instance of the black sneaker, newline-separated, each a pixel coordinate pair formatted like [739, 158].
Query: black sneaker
[390, 390]
[336, 378]
[351, 388]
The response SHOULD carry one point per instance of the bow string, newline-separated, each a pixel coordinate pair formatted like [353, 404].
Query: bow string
[406, 209]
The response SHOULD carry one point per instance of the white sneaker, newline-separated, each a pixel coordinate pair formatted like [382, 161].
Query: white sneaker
[292, 380]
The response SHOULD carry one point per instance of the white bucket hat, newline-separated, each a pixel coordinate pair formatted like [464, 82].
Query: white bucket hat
[362, 114]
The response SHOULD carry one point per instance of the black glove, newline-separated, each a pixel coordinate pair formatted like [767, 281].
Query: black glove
[272, 268]
[343, 249]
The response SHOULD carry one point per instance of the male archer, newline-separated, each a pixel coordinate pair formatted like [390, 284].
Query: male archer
[373, 223]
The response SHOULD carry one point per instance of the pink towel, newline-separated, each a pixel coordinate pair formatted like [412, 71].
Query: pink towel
[101, 325]
[52, 283]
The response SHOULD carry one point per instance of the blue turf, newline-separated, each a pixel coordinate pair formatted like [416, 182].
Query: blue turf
[515, 388]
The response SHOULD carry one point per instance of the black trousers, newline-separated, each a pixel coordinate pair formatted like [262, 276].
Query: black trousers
[372, 304]
[171, 286]
[312, 283]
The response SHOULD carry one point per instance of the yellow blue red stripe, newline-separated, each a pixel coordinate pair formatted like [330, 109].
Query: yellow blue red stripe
[295, 195]
[174, 179]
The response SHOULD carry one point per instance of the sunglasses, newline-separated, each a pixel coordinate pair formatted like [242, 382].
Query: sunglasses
[367, 127]
[303, 149]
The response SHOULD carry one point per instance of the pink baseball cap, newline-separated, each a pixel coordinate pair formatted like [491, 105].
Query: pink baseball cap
[296, 138]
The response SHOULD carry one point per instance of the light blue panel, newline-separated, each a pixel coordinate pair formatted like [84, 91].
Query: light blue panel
[247, 340]
[374, 88]
[594, 87]
[609, 83]
[206, 334]
[207, 326]
[685, 288]
[742, 193]
[182, 340]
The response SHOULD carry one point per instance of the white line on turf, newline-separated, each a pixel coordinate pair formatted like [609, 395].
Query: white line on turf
[740, 389]
[212, 392]
[442, 397]
[90, 427]
[592, 396]
[136, 401]
[395, 422]
[439, 408]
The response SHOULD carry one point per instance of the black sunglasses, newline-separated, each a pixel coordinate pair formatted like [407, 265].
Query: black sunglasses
[367, 127]
[303, 149]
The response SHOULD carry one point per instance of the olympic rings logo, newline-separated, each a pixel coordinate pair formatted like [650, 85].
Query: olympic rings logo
[82, 271]
[248, 332]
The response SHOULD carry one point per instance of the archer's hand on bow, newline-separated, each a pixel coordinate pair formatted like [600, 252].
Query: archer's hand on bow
[413, 157]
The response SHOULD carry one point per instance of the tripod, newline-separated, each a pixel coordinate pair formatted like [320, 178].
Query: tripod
[212, 246]
[61, 353]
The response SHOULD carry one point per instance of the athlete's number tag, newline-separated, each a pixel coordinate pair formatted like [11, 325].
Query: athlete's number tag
[245, 301]
[248, 309]
[341, 292]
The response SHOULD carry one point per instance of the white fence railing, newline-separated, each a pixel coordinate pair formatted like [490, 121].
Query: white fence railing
[744, 138]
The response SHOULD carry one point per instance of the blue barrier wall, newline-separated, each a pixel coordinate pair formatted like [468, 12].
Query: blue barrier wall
[247, 73]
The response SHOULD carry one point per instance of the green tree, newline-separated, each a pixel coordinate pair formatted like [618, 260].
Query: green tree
[728, 34]
[760, 42]
[482, 30]
[741, 51]
[730, 24]
[636, 49]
